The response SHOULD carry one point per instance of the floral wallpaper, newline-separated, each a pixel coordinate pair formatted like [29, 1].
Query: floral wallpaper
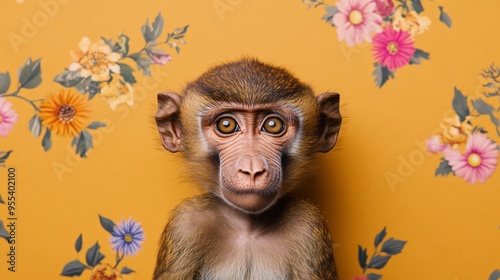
[410, 191]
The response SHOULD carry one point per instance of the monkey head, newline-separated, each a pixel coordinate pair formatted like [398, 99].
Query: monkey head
[248, 131]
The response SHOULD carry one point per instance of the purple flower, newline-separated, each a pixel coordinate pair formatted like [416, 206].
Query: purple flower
[159, 57]
[127, 237]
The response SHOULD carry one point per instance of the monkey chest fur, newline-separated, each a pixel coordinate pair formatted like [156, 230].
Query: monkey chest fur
[247, 256]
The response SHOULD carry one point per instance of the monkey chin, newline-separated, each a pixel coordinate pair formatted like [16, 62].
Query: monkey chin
[250, 202]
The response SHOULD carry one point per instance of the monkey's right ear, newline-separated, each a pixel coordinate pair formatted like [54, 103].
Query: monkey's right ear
[168, 121]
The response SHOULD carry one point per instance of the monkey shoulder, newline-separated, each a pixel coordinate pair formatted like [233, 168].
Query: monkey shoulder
[303, 213]
[193, 215]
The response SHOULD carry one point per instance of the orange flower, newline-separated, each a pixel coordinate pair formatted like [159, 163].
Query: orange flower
[64, 113]
[105, 272]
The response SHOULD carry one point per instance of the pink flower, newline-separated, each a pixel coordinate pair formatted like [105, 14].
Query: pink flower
[360, 278]
[7, 117]
[356, 20]
[434, 145]
[478, 162]
[392, 48]
[160, 57]
[385, 8]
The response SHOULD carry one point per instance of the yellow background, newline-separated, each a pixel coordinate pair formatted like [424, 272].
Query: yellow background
[451, 226]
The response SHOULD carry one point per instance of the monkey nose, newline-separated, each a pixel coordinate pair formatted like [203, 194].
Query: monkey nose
[251, 167]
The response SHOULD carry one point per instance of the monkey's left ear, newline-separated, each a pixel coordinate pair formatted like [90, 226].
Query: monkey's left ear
[329, 120]
[168, 122]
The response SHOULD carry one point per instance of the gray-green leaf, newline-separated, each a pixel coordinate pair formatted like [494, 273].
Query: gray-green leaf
[494, 275]
[3, 157]
[107, 224]
[378, 261]
[96, 125]
[380, 236]
[151, 32]
[94, 256]
[393, 246]
[373, 276]
[418, 56]
[35, 125]
[68, 78]
[83, 143]
[79, 243]
[3, 232]
[4, 82]
[143, 63]
[73, 268]
[330, 13]
[126, 270]
[444, 17]
[126, 72]
[382, 75]
[30, 75]
[362, 257]
[460, 105]
[1, 200]
[47, 140]
[444, 168]
[417, 6]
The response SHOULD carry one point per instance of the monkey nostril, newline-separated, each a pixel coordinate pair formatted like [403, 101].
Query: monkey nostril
[251, 168]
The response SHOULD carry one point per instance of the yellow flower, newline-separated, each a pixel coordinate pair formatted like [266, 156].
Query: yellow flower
[117, 92]
[64, 113]
[411, 22]
[105, 272]
[95, 60]
[455, 133]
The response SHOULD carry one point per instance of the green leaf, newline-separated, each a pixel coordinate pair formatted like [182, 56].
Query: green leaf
[68, 78]
[378, 261]
[96, 125]
[30, 75]
[108, 42]
[418, 56]
[3, 232]
[4, 156]
[444, 168]
[73, 268]
[151, 32]
[362, 257]
[373, 276]
[122, 45]
[126, 270]
[83, 143]
[126, 72]
[444, 17]
[94, 256]
[35, 126]
[382, 74]
[84, 85]
[484, 108]
[393, 246]
[330, 13]
[143, 63]
[380, 236]
[4, 82]
[107, 224]
[1, 200]
[78, 243]
[460, 105]
[494, 275]
[417, 6]
[47, 141]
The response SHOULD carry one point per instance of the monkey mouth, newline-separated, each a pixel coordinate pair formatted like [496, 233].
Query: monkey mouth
[250, 200]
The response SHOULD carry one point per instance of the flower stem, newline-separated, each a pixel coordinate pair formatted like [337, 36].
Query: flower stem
[32, 102]
[118, 259]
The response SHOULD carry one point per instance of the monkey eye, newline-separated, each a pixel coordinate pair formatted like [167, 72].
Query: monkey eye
[227, 125]
[273, 125]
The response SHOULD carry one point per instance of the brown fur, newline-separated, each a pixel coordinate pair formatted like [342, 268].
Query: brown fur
[280, 237]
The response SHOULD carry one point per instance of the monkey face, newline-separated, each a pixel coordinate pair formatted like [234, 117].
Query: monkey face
[248, 131]
[249, 143]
